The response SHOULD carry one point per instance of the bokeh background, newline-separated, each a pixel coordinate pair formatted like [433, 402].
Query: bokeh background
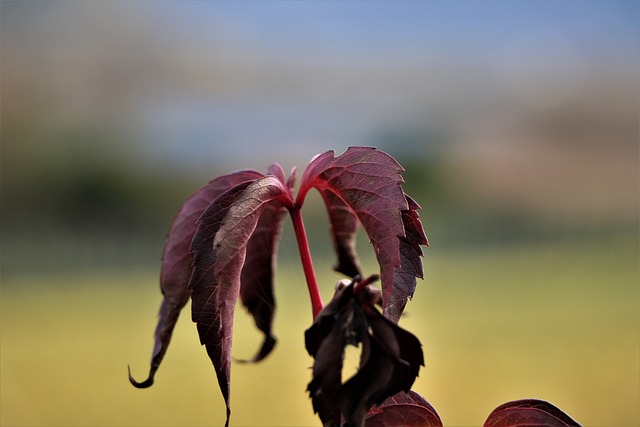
[516, 122]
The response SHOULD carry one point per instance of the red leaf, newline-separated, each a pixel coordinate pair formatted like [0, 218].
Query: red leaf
[219, 247]
[404, 280]
[403, 410]
[529, 413]
[343, 228]
[176, 263]
[369, 183]
[256, 289]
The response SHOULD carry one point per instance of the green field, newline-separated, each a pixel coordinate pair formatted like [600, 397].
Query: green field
[558, 322]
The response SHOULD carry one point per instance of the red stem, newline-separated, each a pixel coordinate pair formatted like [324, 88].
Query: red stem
[307, 264]
[361, 284]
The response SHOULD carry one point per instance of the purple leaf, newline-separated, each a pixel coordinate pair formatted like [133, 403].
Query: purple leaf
[343, 228]
[176, 263]
[403, 410]
[404, 280]
[369, 183]
[256, 289]
[219, 247]
[529, 413]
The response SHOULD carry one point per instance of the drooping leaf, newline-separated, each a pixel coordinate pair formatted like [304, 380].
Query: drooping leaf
[219, 249]
[371, 382]
[389, 362]
[404, 279]
[369, 182]
[326, 341]
[256, 289]
[176, 263]
[529, 413]
[343, 225]
[403, 410]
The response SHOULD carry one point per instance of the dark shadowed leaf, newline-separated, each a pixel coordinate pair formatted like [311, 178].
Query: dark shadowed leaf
[369, 182]
[372, 383]
[328, 352]
[529, 413]
[390, 365]
[176, 263]
[219, 249]
[343, 226]
[403, 410]
[389, 362]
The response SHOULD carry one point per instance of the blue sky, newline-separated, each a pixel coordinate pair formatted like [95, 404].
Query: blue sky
[409, 26]
[536, 38]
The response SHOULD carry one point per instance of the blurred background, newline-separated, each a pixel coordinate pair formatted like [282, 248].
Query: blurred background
[516, 122]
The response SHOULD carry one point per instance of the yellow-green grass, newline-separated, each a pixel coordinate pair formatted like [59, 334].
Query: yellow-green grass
[557, 322]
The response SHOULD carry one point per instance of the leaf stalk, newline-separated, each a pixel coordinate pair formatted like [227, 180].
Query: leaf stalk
[307, 263]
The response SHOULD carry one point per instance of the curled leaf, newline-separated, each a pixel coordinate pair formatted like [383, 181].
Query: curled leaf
[403, 410]
[325, 387]
[390, 360]
[219, 248]
[529, 413]
[176, 263]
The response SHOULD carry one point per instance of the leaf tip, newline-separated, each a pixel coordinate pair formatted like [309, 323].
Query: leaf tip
[266, 348]
[144, 384]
